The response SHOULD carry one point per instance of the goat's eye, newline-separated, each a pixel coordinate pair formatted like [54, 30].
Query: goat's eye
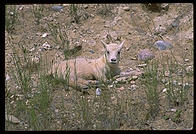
[118, 52]
[108, 52]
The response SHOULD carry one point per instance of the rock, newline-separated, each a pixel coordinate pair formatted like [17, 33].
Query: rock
[126, 8]
[186, 86]
[7, 77]
[167, 73]
[91, 51]
[189, 69]
[164, 81]
[175, 82]
[186, 60]
[110, 86]
[11, 118]
[135, 77]
[44, 35]
[32, 49]
[142, 65]
[121, 88]
[121, 80]
[175, 23]
[162, 45]
[179, 84]
[57, 8]
[164, 90]
[56, 110]
[85, 6]
[145, 54]
[98, 91]
[35, 60]
[46, 46]
[173, 109]
[132, 82]
[133, 87]
[165, 6]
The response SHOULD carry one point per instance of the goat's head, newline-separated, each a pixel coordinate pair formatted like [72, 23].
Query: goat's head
[112, 52]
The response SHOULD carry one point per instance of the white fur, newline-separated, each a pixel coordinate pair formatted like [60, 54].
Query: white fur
[87, 70]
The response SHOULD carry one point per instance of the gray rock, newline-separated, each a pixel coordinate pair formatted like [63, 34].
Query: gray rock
[91, 51]
[57, 8]
[145, 54]
[7, 77]
[11, 118]
[162, 45]
[98, 91]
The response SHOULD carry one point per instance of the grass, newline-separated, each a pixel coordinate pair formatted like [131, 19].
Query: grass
[11, 18]
[151, 82]
[38, 13]
[74, 9]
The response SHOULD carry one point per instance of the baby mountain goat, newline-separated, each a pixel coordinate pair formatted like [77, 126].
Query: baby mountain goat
[82, 72]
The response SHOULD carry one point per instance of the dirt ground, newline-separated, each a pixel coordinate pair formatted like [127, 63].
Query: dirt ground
[139, 26]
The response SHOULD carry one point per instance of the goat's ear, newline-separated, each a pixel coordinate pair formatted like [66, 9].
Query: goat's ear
[121, 45]
[104, 44]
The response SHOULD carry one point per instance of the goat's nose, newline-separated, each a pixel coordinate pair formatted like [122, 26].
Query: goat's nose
[113, 59]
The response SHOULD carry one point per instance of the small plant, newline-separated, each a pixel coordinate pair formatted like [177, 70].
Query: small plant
[38, 13]
[151, 82]
[21, 75]
[60, 38]
[11, 18]
[74, 13]
[176, 93]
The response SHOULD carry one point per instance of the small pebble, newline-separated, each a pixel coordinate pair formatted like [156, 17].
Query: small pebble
[57, 8]
[12, 96]
[179, 84]
[46, 46]
[164, 81]
[167, 73]
[162, 45]
[133, 87]
[132, 82]
[126, 8]
[44, 35]
[121, 88]
[165, 6]
[134, 77]
[98, 91]
[175, 82]
[145, 54]
[85, 6]
[175, 23]
[189, 69]
[111, 86]
[173, 110]
[186, 60]
[32, 49]
[164, 90]
[91, 51]
[12, 119]
[186, 86]
[56, 110]
[142, 65]
[7, 77]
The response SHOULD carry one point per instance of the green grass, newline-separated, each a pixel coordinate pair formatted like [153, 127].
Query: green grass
[38, 12]
[11, 18]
